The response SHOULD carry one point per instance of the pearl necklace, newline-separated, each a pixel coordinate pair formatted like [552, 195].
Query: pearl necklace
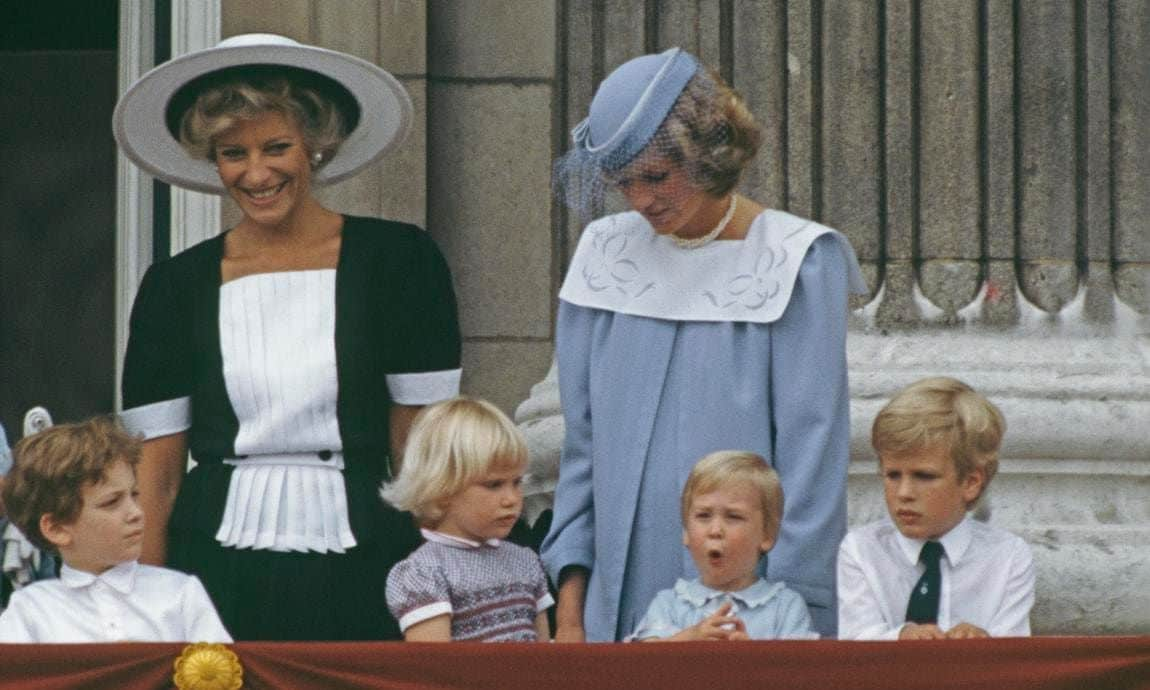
[696, 242]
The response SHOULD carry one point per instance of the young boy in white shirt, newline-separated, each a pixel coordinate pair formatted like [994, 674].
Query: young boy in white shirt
[72, 489]
[931, 572]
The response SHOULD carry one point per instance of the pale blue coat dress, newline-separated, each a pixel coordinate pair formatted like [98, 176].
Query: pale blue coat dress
[667, 354]
[5, 453]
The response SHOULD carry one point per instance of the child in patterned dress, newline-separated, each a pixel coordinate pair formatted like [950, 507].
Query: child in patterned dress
[461, 475]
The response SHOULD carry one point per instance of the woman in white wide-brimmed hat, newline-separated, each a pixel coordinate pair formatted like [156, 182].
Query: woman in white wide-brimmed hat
[698, 321]
[289, 353]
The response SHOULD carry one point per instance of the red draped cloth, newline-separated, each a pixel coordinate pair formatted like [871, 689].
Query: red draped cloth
[1096, 663]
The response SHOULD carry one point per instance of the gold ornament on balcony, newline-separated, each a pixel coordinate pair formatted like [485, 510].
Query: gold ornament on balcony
[208, 666]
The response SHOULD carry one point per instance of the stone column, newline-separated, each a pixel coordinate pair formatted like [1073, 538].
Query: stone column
[491, 88]
[993, 183]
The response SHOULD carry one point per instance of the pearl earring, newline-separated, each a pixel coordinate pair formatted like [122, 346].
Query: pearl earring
[316, 158]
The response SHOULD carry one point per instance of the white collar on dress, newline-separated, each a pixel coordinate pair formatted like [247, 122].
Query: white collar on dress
[452, 540]
[121, 577]
[623, 265]
[954, 543]
[697, 594]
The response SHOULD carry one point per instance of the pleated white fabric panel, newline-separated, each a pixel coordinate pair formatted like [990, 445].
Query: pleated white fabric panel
[277, 337]
[287, 503]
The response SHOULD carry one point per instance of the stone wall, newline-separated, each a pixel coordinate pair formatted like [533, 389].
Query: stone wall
[492, 76]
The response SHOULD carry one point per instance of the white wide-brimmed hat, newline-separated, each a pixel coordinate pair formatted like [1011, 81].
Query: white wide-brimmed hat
[146, 119]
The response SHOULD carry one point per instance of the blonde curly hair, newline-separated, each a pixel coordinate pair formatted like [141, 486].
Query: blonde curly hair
[942, 412]
[451, 445]
[245, 95]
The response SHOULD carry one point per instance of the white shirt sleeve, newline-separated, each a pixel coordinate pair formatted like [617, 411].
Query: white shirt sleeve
[16, 622]
[201, 621]
[860, 611]
[1013, 617]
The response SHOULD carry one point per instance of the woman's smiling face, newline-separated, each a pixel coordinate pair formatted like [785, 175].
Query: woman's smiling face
[263, 162]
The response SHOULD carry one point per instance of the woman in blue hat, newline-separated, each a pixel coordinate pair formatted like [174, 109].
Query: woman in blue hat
[697, 321]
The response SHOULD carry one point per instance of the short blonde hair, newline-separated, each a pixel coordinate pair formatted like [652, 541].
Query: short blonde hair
[233, 96]
[452, 444]
[712, 133]
[51, 469]
[942, 412]
[727, 467]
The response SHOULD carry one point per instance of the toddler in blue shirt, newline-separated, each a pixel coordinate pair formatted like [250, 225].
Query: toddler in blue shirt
[732, 506]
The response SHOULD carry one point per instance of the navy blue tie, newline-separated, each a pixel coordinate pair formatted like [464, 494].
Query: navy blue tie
[923, 604]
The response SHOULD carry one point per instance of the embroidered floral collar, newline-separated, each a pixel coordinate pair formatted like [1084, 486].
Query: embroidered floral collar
[622, 265]
[120, 577]
[454, 541]
[695, 593]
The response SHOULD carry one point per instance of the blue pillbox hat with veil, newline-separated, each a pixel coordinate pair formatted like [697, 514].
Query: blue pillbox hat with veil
[625, 117]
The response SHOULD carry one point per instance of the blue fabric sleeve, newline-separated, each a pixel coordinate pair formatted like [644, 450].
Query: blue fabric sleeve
[5, 453]
[571, 540]
[811, 428]
[794, 617]
[660, 619]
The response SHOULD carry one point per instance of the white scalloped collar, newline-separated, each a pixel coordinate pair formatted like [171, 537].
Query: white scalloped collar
[623, 265]
[697, 594]
[454, 541]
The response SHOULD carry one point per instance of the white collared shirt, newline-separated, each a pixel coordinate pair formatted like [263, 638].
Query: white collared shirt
[452, 540]
[127, 603]
[987, 580]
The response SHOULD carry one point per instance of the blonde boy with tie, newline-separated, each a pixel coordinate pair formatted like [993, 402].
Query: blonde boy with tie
[930, 571]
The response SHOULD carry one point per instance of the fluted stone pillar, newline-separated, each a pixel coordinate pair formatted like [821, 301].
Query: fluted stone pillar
[989, 163]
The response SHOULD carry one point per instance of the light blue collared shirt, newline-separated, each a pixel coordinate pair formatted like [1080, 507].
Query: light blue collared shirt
[769, 610]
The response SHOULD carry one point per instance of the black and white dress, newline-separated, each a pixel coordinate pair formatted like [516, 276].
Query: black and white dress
[283, 383]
